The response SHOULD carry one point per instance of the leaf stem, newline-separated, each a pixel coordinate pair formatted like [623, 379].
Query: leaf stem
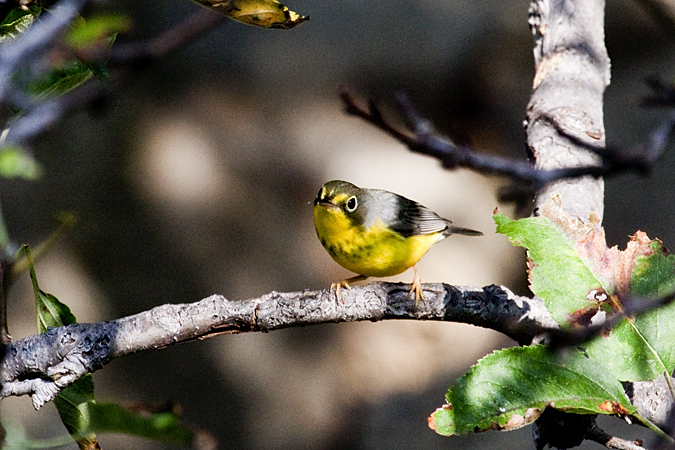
[669, 381]
[22, 263]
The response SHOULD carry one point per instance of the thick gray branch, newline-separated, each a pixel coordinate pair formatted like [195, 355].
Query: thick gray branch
[44, 364]
[565, 110]
[653, 400]
[572, 71]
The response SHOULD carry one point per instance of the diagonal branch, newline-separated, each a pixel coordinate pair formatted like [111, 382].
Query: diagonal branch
[420, 137]
[42, 365]
[171, 40]
[39, 116]
[35, 41]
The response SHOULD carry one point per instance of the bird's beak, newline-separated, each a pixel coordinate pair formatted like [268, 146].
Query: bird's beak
[324, 203]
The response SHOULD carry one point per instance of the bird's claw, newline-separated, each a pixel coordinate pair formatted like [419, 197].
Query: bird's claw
[416, 288]
[344, 284]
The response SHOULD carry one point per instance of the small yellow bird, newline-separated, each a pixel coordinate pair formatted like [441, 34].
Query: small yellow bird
[377, 233]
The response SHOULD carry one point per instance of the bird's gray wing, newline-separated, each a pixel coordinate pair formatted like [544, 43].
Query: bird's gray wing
[415, 219]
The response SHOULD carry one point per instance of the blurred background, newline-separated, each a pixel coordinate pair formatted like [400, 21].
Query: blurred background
[196, 177]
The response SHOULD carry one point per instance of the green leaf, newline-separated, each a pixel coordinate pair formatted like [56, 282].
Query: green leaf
[642, 348]
[558, 275]
[16, 163]
[17, 22]
[95, 30]
[509, 388]
[74, 404]
[654, 275]
[60, 80]
[91, 37]
[50, 311]
[636, 350]
[95, 35]
[260, 13]
[163, 426]
[75, 401]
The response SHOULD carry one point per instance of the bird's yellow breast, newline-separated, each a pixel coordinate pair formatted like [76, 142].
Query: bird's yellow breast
[374, 252]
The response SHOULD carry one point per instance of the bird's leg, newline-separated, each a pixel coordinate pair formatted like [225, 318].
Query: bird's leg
[416, 287]
[345, 284]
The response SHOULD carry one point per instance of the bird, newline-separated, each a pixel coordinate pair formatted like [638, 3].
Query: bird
[377, 233]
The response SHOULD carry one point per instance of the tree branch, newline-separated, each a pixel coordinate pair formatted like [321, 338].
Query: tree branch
[35, 41]
[169, 41]
[38, 116]
[421, 138]
[598, 435]
[572, 71]
[42, 365]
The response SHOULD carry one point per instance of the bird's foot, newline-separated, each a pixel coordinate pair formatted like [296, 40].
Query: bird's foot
[345, 284]
[416, 288]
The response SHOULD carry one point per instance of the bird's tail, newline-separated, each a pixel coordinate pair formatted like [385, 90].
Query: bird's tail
[459, 230]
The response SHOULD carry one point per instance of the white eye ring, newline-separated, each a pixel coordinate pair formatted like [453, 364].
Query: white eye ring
[351, 204]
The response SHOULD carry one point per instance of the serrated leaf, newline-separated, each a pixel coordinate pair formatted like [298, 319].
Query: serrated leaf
[636, 350]
[557, 274]
[511, 387]
[16, 163]
[642, 347]
[260, 13]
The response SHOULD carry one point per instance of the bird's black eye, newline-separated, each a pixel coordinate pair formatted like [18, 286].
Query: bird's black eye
[319, 194]
[352, 204]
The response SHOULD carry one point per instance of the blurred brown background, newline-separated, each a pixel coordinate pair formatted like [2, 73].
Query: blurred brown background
[197, 178]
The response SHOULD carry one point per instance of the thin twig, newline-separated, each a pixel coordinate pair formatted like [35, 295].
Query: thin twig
[421, 138]
[631, 306]
[663, 92]
[169, 41]
[597, 435]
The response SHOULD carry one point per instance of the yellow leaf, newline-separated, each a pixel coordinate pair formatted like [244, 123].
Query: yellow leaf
[261, 13]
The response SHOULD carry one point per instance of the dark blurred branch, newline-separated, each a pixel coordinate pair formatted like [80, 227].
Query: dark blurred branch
[420, 137]
[39, 116]
[44, 364]
[168, 42]
[35, 41]
[663, 11]
[564, 118]
[663, 93]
